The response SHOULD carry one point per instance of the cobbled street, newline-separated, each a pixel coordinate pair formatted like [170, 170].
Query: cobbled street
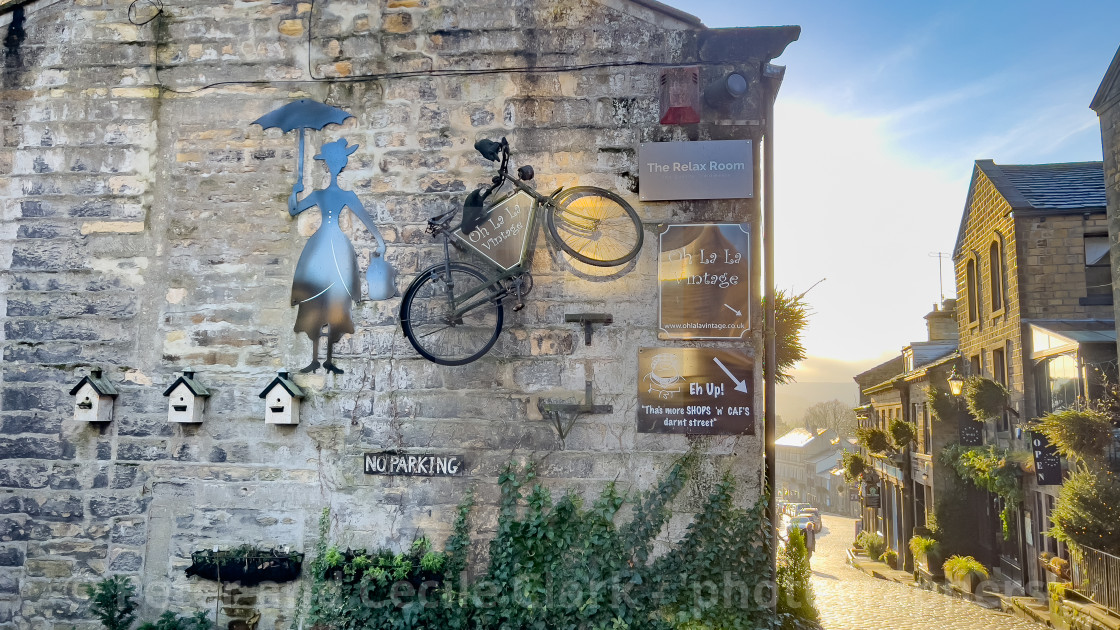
[851, 600]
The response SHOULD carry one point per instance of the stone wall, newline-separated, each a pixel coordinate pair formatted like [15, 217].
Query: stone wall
[145, 230]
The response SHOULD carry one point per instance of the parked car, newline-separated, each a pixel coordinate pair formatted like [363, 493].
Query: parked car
[798, 522]
[793, 508]
[814, 514]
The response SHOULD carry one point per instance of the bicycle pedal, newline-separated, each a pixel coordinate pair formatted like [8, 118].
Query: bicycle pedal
[518, 306]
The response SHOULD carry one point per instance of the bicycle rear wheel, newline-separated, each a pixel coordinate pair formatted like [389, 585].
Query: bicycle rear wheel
[429, 326]
[595, 226]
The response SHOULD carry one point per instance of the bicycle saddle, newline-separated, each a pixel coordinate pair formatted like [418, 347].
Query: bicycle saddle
[473, 212]
[489, 149]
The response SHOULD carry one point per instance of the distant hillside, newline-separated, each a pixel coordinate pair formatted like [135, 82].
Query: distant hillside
[795, 398]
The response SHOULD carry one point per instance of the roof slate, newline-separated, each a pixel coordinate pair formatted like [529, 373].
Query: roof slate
[1069, 186]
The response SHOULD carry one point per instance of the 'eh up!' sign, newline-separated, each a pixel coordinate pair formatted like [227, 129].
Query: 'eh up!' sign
[413, 464]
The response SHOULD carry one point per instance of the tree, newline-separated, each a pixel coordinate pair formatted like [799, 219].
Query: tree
[832, 414]
[791, 316]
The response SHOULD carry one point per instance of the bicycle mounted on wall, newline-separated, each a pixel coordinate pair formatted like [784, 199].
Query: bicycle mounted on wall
[452, 312]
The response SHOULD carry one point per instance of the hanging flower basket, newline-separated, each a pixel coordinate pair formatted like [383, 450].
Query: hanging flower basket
[245, 564]
[985, 398]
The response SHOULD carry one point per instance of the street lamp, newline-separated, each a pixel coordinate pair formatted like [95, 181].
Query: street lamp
[956, 382]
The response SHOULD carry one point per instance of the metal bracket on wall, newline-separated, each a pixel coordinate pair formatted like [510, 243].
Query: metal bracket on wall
[587, 319]
[563, 415]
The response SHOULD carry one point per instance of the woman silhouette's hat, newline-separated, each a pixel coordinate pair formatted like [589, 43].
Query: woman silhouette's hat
[336, 149]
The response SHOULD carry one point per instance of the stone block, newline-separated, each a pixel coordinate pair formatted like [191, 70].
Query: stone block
[13, 530]
[62, 508]
[110, 506]
[31, 448]
[11, 556]
[30, 423]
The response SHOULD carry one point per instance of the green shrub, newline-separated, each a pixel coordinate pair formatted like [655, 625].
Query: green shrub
[544, 549]
[1085, 513]
[171, 621]
[873, 439]
[854, 466]
[922, 545]
[988, 468]
[961, 567]
[794, 577]
[1080, 435]
[113, 602]
[872, 542]
[944, 406]
[890, 557]
[903, 433]
[985, 398]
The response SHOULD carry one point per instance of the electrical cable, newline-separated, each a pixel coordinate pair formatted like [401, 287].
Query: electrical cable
[156, 4]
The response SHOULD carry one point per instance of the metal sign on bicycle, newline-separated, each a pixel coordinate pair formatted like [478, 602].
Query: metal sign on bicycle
[452, 313]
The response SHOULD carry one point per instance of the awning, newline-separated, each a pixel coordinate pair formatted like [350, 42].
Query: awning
[1052, 337]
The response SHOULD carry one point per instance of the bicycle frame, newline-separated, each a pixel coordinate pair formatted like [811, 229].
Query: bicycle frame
[465, 302]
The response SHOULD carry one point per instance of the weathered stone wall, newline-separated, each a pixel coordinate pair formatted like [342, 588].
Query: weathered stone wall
[145, 230]
[1109, 115]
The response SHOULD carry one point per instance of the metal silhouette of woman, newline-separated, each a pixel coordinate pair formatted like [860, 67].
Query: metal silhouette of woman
[326, 282]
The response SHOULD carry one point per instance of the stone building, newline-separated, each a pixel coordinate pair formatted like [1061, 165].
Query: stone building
[1035, 314]
[805, 464]
[909, 478]
[1105, 104]
[146, 232]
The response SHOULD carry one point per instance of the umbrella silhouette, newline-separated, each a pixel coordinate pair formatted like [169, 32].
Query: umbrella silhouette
[302, 114]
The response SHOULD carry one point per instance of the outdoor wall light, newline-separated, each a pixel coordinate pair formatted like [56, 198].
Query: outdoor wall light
[956, 382]
[720, 94]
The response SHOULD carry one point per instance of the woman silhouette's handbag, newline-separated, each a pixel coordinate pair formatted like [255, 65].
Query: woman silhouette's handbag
[381, 279]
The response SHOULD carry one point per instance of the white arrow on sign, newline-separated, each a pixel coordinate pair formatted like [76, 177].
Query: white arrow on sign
[740, 386]
[738, 313]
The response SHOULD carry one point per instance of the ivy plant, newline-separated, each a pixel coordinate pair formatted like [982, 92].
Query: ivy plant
[562, 563]
[988, 468]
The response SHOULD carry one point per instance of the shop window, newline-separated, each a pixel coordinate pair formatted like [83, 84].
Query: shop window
[1058, 381]
[1098, 270]
[970, 282]
[999, 277]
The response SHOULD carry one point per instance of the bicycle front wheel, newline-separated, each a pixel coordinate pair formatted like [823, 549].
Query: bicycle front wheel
[595, 226]
[430, 324]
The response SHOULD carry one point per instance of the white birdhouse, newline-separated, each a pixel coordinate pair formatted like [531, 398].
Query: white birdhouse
[281, 400]
[93, 398]
[186, 399]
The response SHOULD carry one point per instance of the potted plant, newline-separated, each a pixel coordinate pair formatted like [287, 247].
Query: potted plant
[927, 553]
[246, 564]
[890, 557]
[965, 573]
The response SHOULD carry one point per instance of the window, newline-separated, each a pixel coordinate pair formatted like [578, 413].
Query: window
[927, 430]
[999, 375]
[999, 278]
[970, 281]
[1058, 382]
[1098, 269]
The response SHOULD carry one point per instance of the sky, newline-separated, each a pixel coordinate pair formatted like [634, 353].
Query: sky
[884, 109]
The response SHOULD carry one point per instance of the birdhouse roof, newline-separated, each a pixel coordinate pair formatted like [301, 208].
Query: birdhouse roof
[283, 380]
[100, 384]
[198, 389]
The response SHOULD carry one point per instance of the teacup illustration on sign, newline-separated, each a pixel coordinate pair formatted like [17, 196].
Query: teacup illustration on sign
[327, 279]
